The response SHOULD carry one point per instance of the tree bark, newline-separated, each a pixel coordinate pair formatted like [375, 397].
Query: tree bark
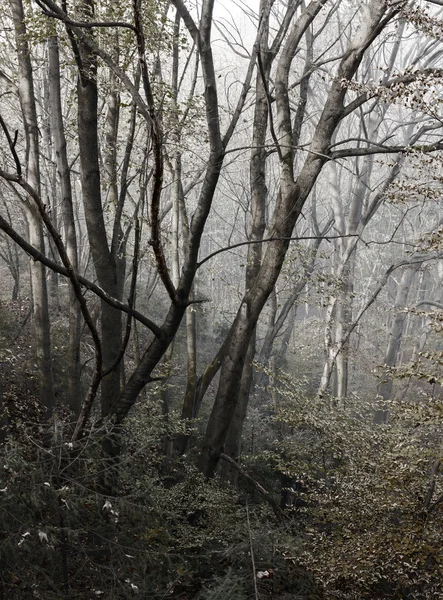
[104, 261]
[259, 193]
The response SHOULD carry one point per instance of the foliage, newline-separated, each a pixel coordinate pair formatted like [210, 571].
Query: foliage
[169, 533]
[359, 493]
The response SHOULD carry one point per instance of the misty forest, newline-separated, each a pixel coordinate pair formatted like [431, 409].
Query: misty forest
[221, 301]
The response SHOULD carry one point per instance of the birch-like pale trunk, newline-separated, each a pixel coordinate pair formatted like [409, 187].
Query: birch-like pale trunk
[361, 215]
[49, 174]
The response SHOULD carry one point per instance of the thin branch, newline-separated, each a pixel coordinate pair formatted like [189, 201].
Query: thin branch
[425, 149]
[12, 143]
[404, 79]
[430, 303]
[274, 239]
[157, 144]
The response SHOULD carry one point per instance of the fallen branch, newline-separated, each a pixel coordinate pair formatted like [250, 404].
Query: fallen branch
[427, 506]
[279, 513]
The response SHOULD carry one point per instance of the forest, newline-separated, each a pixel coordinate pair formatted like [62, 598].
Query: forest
[221, 301]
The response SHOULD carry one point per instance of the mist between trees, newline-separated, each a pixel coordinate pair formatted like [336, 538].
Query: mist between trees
[221, 260]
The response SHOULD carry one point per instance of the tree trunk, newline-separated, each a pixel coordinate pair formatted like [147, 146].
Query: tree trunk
[384, 389]
[259, 192]
[68, 221]
[188, 409]
[233, 443]
[38, 275]
[104, 261]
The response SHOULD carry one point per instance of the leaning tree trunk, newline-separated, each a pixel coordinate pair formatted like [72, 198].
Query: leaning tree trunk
[259, 193]
[233, 443]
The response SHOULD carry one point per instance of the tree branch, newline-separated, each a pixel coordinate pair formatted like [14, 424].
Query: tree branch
[401, 79]
[273, 239]
[83, 24]
[12, 143]
[430, 303]
[380, 149]
[107, 59]
[156, 133]
[89, 285]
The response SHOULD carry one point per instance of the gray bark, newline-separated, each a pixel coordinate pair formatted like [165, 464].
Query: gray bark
[104, 261]
[259, 192]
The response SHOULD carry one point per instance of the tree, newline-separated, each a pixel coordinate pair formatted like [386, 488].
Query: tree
[293, 193]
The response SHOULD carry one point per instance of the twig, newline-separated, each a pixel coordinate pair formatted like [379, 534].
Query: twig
[427, 506]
